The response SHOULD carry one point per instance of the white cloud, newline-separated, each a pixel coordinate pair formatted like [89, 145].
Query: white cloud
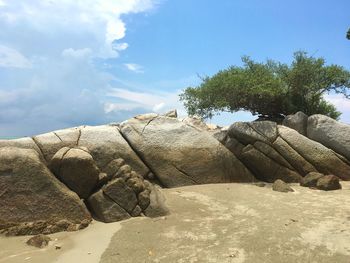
[154, 101]
[100, 21]
[76, 53]
[62, 44]
[342, 104]
[11, 58]
[134, 67]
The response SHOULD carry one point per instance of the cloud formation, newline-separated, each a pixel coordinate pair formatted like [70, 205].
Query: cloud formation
[50, 52]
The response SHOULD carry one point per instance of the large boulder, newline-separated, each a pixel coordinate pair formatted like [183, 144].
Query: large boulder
[331, 133]
[105, 143]
[297, 121]
[49, 143]
[76, 169]
[180, 154]
[322, 158]
[32, 199]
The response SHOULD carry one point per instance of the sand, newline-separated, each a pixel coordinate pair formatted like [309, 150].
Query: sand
[236, 223]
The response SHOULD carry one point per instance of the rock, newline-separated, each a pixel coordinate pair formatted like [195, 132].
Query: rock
[136, 212]
[105, 209]
[23, 143]
[144, 199]
[121, 193]
[266, 169]
[310, 180]
[32, 198]
[297, 121]
[77, 169]
[136, 184]
[171, 114]
[113, 166]
[105, 144]
[270, 152]
[196, 122]
[297, 161]
[157, 206]
[124, 171]
[322, 158]
[50, 143]
[180, 154]
[220, 136]
[234, 146]
[250, 132]
[330, 133]
[260, 184]
[328, 182]
[281, 186]
[39, 241]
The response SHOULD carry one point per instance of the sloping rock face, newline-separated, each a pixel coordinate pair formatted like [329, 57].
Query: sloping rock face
[32, 200]
[331, 133]
[179, 154]
[273, 151]
[106, 144]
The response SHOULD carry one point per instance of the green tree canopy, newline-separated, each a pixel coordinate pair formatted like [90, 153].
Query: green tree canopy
[348, 34]
[270, 89]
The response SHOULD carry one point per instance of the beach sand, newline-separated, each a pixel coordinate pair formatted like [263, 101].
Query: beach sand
[234, 223]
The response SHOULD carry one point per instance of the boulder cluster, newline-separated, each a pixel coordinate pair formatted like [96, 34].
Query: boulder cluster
[59, 181]
[274, 151]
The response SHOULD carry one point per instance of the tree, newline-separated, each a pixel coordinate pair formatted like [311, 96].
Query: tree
[348, 34]
[271, 89]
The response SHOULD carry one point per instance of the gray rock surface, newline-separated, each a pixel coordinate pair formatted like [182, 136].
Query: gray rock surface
[105, 144]
[105, 209]
[49, 143]
[157, 206]
[322, 158]
[331, 133]
[180, 154]
[121, 193]
[32, 199]
[297, 121]
[266, 169]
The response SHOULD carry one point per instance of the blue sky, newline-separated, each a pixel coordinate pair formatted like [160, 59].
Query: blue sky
[65, 63]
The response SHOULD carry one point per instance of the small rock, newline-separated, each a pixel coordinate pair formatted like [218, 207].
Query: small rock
[136, 184]
[125, 169]
[260, 184]
[328, 182]
[58, 247]
[281, 186]
[144, 199]
[136, 212]
[171, 114]
[310, 180]
[39, 241]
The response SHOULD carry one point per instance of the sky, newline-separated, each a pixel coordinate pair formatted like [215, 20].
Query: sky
[66, 63]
